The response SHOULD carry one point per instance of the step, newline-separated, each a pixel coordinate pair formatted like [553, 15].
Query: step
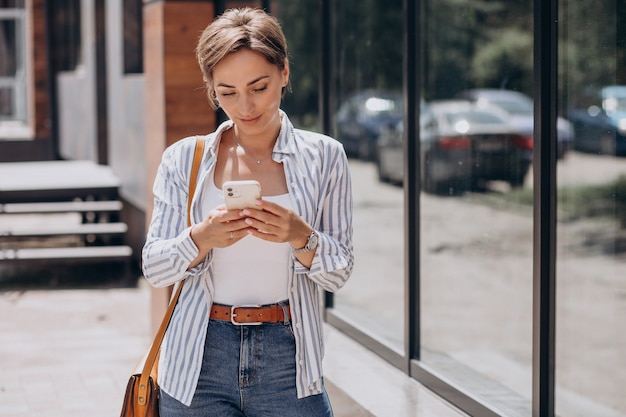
[56, 181]
[61, 207]
[59, 230]
[83, 254]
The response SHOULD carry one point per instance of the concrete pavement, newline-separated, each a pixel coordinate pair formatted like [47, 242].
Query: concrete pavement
[68, 353]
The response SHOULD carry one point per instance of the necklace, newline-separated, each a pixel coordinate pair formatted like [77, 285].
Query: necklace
[246, 153]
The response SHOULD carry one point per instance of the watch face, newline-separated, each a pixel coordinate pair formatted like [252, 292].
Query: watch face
[312, 243]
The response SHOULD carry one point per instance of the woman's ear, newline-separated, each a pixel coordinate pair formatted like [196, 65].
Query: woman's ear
[285, 73]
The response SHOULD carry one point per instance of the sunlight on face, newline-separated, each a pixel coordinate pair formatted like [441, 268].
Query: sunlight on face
[249, 90]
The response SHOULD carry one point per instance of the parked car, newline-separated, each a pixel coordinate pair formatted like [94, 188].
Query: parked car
[599, 119]
[521, 109]
[390, 149]
[362, 117]
[462, 145]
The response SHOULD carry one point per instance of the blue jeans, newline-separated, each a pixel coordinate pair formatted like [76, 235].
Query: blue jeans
[248, 371]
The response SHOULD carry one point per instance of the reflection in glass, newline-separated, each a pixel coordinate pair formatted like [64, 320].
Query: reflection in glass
[303, 38]
[476, 224]
[368, 97]
[367, 65]
[591, 267]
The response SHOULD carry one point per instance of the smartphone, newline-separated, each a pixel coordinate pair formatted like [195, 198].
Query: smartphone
[241, 194]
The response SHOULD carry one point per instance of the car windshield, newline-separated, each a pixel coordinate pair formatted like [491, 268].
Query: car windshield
[474, 117]
[514, 107]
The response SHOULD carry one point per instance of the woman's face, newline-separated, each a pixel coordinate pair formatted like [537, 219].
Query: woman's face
[249, 90]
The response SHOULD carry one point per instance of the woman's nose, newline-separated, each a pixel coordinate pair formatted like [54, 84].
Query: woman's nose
[246, 106]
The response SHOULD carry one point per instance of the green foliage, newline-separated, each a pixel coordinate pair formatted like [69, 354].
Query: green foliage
[367, 50]
[477, 44]
[300, 23]
[368, 45]
[506, 61]
[465, 44]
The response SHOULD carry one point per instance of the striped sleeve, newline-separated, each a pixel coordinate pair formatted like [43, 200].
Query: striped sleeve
[169, 249]
[329, 210]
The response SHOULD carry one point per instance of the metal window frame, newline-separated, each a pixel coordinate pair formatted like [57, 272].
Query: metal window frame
[544, 214]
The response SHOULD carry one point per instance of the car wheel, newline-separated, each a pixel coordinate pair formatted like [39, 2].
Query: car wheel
[517, 177]
[517, 180]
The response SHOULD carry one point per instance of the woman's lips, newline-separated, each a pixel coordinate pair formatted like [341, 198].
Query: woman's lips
[249, 121]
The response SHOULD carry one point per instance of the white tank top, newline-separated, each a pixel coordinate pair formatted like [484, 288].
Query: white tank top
[251, 271]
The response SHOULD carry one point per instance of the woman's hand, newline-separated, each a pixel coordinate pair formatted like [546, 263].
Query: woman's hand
[274, 223]
[221, 228]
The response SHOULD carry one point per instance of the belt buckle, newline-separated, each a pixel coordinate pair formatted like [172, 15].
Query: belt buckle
[233, 315]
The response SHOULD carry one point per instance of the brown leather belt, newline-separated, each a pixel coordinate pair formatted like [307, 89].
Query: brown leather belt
[251, 315]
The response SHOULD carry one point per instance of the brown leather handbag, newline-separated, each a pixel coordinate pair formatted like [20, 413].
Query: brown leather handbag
[142, 392]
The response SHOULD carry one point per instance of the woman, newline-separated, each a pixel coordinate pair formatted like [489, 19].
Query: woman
[278, 255]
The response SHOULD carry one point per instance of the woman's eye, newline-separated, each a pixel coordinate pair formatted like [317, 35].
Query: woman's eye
[258, 90]
[226, 94]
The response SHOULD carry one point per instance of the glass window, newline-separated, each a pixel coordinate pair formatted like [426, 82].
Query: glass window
[591, 207]
[476, 242]
[367, 100]
[367, 86]
[301, 27]
[13, 69]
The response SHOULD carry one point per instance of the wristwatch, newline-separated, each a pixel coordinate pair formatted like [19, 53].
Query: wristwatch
[311, 243]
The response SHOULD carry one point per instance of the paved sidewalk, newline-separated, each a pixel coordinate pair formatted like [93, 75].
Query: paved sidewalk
[69, 353]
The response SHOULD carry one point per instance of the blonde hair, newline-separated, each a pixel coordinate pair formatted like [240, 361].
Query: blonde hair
[236, 29]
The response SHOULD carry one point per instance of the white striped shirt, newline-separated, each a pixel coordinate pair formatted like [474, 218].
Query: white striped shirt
[318, 179]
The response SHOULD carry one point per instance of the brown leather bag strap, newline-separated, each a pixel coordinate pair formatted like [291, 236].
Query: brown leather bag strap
[158, 339]
[193, 179]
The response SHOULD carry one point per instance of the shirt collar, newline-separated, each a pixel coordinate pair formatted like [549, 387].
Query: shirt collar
[285, 143]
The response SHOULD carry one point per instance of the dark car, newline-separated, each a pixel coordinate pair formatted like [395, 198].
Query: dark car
[390, 150]
[362, 117]
[599, 119]
[463, 144]
[521, 109]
